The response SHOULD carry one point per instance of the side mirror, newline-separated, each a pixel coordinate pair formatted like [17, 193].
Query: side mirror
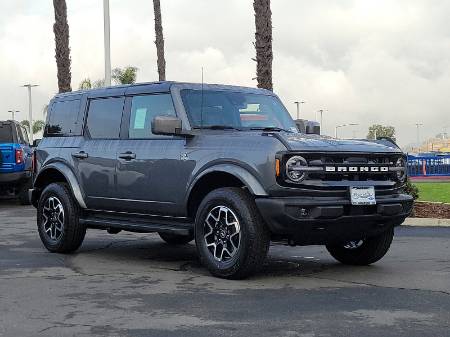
[36, 142]
[313, 128]
[301, 125]
[166, 125]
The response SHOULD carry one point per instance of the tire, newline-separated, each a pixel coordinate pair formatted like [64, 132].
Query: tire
[174, 239]
[248, 249]
[364, 252]
[59, 234]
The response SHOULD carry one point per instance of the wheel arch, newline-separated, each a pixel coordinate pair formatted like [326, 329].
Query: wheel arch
[58, 172]
[224, 175]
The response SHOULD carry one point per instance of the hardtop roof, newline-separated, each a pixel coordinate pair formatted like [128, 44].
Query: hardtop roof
[163, 86]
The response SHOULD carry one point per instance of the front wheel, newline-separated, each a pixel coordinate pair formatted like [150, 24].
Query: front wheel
[232, 239]
[363, 252]
[58, 219]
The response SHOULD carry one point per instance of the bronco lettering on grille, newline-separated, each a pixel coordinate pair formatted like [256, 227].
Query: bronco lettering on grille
[356, 169]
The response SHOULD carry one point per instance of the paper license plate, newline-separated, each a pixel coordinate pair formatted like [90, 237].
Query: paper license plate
[362, 195]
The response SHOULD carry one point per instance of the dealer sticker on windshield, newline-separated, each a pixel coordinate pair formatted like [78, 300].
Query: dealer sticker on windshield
[362, 195]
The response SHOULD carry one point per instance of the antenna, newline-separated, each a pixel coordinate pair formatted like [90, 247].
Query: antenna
[201, 104]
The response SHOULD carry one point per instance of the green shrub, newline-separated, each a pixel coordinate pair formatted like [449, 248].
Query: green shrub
[411, 189]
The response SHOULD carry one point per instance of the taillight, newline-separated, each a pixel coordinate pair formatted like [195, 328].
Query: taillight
[19, 156]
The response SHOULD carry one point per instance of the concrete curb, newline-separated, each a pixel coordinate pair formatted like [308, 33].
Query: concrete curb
[426, 222]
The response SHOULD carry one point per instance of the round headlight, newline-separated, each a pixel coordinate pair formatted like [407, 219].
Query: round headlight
[401, 174]
[294, 168]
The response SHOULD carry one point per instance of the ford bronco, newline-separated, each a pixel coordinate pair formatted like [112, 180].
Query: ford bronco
[15, 161]
[224, 165]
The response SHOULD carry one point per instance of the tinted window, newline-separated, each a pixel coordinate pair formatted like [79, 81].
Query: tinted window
[104, 117]
[144, 109]
[63, 119]
[6, 133]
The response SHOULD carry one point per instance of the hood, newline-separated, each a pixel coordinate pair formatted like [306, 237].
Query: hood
[303, 142]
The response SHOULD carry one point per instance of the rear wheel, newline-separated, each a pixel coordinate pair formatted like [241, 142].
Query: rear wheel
[363, 252]
[174, 239]
[232, 239]
[58, 219]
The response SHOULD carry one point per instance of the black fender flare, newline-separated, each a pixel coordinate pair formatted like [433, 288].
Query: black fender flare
[70, 178]
[247, 178]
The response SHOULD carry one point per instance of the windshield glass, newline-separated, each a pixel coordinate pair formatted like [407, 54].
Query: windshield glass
[236, 110]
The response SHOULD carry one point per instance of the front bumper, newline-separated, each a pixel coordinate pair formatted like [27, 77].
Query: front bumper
[326, 220]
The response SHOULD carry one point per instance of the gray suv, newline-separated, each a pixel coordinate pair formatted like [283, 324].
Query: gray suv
[223, 165]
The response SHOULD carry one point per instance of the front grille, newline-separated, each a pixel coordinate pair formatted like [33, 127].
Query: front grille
[340, 170]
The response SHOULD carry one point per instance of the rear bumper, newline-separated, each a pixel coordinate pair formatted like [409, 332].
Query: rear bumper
[14, 177]
[328, 220]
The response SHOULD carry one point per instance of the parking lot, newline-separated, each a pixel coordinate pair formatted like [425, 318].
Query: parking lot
[136, 285]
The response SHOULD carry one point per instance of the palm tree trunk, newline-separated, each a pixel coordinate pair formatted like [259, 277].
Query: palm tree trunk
[263, 43]
[159, 41]
[62, 49]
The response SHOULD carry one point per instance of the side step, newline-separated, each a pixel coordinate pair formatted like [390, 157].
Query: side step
[138, 224]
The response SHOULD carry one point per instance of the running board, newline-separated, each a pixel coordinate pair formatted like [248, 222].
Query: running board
[138, 225]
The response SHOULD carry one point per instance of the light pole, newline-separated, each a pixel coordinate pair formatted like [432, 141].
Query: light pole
[341, 126]
[321, 118]
[13, 113]
[107, 40]
[298, 107]
[30, 109]
[418, 125]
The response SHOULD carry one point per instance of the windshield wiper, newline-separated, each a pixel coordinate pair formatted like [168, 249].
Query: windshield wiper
[217, 127]
[269, 128]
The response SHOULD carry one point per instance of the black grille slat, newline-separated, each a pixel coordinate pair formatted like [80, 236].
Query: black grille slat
[333, 180]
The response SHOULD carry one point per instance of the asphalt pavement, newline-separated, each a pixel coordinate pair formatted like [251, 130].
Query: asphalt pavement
[136, 285]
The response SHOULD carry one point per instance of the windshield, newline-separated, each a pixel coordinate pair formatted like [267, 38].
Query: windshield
[235, 110]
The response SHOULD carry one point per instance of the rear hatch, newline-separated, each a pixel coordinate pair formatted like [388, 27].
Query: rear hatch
[7, 149]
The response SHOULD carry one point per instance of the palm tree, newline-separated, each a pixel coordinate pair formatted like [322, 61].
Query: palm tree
[37, 125]
[126, 75]
[159, 41]
[62, 49]
[87, 84]
[263, 43]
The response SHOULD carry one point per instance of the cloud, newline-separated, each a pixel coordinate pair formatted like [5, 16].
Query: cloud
[361, 61]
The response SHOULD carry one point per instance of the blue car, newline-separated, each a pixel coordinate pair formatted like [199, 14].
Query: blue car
[15, 161]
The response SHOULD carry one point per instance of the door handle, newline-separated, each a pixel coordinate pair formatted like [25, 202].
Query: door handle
[80, 155]
[127, 155]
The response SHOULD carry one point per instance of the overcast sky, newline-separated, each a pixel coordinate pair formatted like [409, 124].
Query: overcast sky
[361, 61]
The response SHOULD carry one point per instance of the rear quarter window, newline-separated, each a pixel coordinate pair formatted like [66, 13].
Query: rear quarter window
[64, 119]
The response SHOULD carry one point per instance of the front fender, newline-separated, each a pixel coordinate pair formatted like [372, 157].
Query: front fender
[247, 178]
[70, 178]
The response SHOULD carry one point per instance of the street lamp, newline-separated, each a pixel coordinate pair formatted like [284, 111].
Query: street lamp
[341, 126]
[418, 125]
[30, 109]
[107, 41]
[13, 113]
[298, 107]
[321, 118]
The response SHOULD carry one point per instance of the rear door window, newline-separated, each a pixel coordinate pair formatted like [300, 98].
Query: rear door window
[63, 119]
[6, 133]
[104, 117]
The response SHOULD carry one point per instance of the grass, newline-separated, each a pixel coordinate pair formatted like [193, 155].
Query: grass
[436, 191]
